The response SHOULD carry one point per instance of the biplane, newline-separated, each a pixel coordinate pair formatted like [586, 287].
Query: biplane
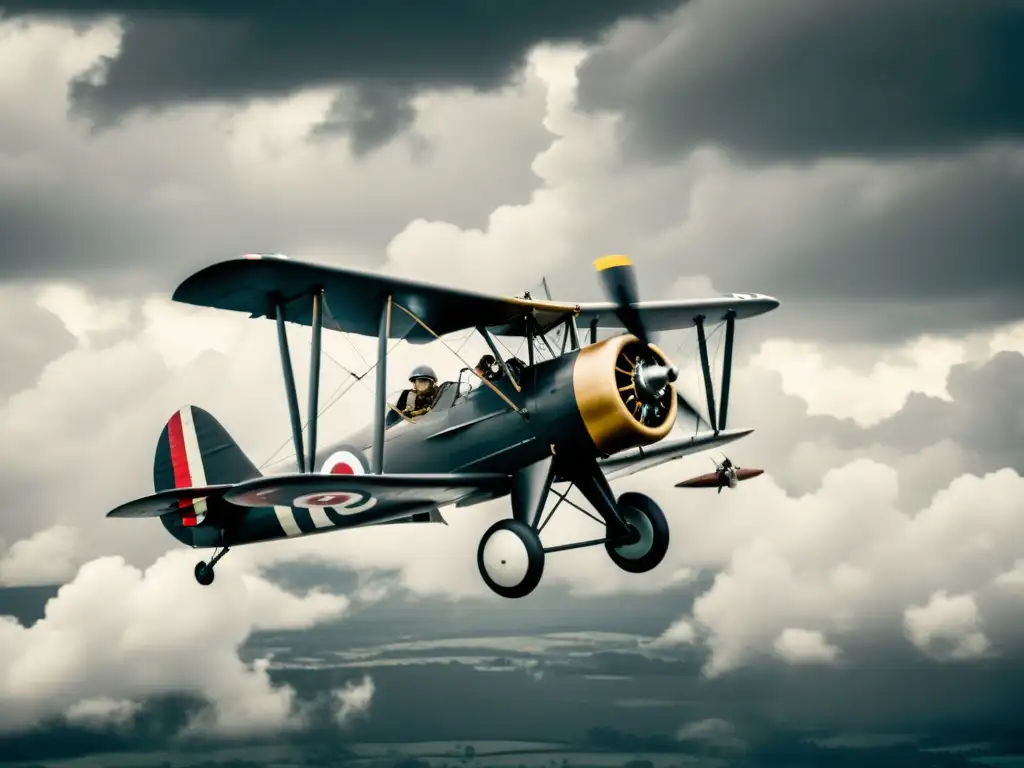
[592, 411]
[726, 475]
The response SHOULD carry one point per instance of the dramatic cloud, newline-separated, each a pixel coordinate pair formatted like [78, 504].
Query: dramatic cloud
[115, 636]
[802, 646]
[798, 576]
[931, 418]
[353, 700]
[857, 250]
[47, 557]
[829, 239]
[796, 80]
[947, 627]
[31, 338]
[137, 207]
[98, 713]
[175, 53]
[838, 390]
[884, 392]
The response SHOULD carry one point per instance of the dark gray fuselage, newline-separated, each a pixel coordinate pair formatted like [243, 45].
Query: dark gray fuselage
[474, 433]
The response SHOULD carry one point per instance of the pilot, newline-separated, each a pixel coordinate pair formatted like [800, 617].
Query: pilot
[485, 367]
[423, 393]
[727, 474]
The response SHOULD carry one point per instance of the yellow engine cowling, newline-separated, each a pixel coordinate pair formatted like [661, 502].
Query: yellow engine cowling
[604, 383]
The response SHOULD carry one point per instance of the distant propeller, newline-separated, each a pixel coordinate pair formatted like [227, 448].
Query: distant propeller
[619, 282]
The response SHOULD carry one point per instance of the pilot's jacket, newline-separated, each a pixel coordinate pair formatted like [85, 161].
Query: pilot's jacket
[420, 402]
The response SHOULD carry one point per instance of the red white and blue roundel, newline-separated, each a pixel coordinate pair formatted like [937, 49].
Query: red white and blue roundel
[341, 462]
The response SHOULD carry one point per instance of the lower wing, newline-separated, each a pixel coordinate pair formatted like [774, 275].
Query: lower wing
[637, 460]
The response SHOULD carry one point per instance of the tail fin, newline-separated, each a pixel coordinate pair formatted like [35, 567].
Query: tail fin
[194, 450]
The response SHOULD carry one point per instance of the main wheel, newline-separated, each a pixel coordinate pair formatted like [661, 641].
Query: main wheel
[204, 573]
[648, 522]
[511, 558]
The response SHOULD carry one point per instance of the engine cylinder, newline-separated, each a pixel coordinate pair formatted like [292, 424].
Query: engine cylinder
[617, 415]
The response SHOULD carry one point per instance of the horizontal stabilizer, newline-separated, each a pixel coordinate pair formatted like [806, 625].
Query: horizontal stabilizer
[356, 493]
[712, 479]
[176, 500]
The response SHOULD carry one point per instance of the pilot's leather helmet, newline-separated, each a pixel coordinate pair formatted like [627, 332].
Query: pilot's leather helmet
[423, 372]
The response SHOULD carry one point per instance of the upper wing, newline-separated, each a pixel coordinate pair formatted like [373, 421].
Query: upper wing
[637, 460]
[675, 314]
[354, 299]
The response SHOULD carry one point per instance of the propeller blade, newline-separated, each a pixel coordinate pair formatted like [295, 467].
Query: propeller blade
[619, 283]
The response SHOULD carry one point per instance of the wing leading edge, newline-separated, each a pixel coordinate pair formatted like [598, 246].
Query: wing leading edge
[355, 298]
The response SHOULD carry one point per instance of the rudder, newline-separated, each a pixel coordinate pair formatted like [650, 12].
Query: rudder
[195, 450]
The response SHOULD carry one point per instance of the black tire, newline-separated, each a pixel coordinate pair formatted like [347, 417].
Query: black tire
[506, 577]
[204, 574]
[646, 518]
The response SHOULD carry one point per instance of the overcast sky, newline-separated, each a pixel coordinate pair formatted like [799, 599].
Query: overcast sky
[861, 160]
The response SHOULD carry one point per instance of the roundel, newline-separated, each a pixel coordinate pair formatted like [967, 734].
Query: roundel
[344, 462]
[341, 462]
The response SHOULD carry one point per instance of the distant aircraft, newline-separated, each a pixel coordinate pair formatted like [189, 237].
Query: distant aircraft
[588, 413]
[726, 475]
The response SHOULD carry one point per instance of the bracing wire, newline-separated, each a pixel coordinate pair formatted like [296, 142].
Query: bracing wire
[338, 393]
[345, 386]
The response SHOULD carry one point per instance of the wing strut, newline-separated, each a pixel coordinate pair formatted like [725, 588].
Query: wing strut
[717, 418]
[709, 385]
[289, 385]
[574, 333]
[730, 330]
[380, 395]
[314, 374]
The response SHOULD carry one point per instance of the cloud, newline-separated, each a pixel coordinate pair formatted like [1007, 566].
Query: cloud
[100, 712]
[880, 444]
[816, 236]
[137, 216]
[849, 246]
[931, 421]
[1014, 578]
[779, 81]
[835, 562]
[802, 646]
[977, 414]
[837, 390]
[384, 53]
[48, 557]
[353, 700]
[115, 636]
[712, 731]
[32, 337]
[947, 627]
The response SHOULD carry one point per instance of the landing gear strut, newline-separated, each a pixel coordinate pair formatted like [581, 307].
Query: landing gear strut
[511, 555]
[204, 571]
